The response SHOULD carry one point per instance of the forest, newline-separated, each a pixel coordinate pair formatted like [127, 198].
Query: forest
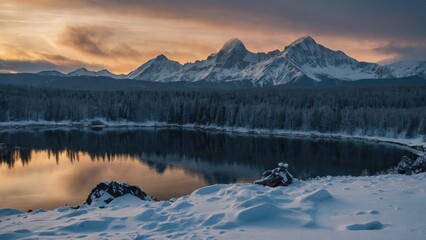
[379, 111]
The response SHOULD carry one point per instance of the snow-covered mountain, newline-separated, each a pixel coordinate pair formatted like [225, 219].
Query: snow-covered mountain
[51, 73]
[302, 60]
[233, 62]
[81, 72]
[159, 69]
[317, 62]
[102, 73]
[106, 73]
[408, 68]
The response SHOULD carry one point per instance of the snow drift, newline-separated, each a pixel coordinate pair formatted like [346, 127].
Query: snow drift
[375, 207]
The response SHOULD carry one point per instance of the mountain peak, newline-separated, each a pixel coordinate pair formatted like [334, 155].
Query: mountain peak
[83, 69]
[303, 41]
[150, 71]
[103, 71]
[50, 73]
[233, 44]
[161, 57]
[79, 72]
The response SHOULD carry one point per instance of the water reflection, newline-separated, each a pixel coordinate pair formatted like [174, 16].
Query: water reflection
[55, 167]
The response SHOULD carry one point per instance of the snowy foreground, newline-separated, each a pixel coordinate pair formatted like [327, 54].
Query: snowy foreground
[378, 207]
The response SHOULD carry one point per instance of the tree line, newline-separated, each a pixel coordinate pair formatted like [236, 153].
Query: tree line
[388, 111]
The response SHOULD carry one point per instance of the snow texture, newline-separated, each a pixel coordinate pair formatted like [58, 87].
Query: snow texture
[375, 207]
[408, 68]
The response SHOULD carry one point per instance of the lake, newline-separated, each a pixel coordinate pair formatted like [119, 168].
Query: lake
[51, 168]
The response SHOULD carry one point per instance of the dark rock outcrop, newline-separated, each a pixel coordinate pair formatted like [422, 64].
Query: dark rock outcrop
[105, 192]
[409, 166]
[276, 177]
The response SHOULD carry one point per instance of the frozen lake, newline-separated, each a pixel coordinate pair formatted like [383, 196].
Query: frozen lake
[51, 168]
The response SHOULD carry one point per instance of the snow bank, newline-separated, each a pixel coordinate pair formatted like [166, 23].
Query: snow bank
[375, 207]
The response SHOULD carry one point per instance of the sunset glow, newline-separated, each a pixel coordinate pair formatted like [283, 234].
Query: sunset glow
[121, 35]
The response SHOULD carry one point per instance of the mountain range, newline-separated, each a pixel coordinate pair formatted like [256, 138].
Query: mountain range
[303, 60]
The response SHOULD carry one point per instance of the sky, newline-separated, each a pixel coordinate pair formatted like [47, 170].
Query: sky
[120, 35]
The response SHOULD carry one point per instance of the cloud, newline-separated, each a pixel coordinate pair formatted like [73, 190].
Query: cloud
[25, 65]
[16, 59]
[96, 40]
[402, 52]
[121, 35]
[62, 64]
[358, 18]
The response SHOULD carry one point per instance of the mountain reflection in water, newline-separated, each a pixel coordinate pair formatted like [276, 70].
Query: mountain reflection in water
[55, 167]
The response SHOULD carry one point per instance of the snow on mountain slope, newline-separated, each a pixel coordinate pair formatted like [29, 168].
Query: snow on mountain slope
[304, 59]
[317, 61]
[232, 63]
[375, 207]
[235, 63]
[106, 73]
[81, 72]
[408, 68]
[159, 69]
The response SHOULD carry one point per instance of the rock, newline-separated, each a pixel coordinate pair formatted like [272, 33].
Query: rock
[420, 164]
[267, 173]
[277, 177]
[404, 166]
[409, 166]
[105, 192]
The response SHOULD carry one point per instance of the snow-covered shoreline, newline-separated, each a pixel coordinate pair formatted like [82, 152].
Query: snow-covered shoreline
[387, 206]
[375, 207]
[416, 145]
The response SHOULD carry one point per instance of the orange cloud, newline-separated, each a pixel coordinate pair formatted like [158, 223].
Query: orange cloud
[96, 40]
[121, 35]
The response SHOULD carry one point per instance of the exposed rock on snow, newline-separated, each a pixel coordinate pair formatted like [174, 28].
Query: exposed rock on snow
[105, 192]
[276, 177]
[409, 166]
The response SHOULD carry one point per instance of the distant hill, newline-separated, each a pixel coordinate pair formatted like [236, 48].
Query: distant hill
[110, 84]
